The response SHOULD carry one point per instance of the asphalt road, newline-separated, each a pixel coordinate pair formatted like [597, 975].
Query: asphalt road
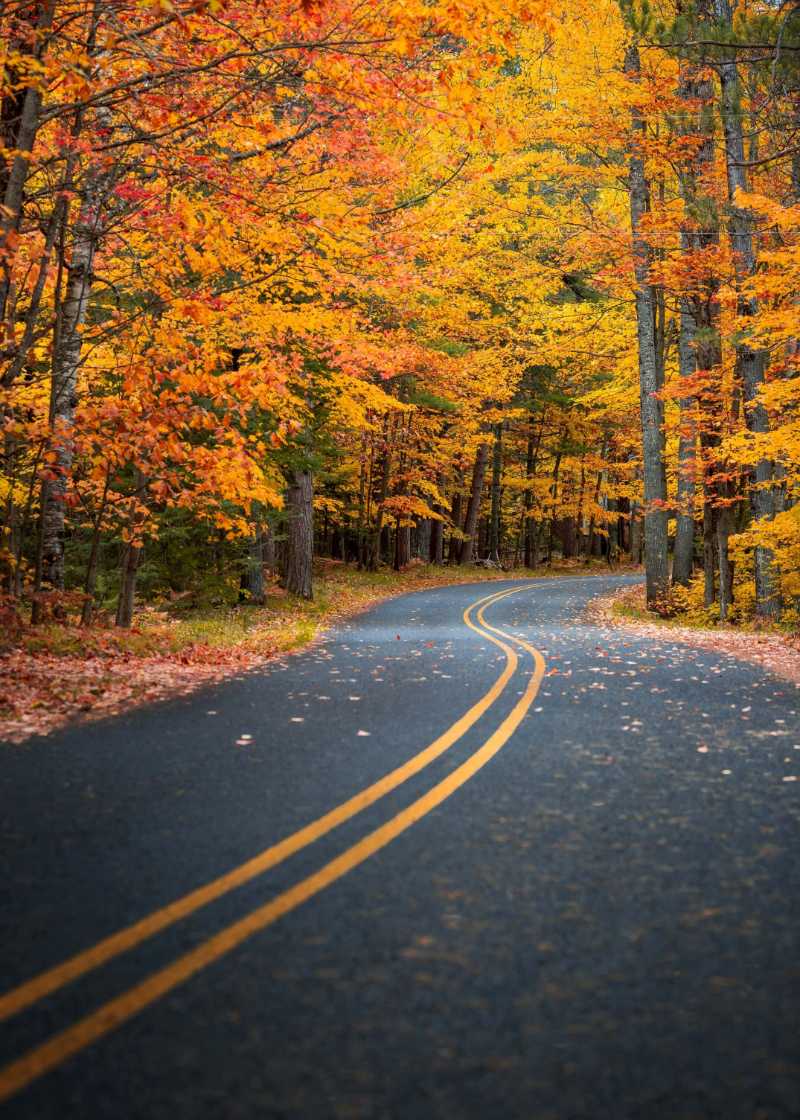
[587, 906]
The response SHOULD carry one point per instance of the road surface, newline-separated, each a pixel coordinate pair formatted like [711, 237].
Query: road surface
[472, 856]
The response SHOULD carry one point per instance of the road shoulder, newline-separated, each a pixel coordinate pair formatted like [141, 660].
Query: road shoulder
[776, 653]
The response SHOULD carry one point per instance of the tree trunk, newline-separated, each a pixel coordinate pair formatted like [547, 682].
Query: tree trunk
[131, 559]
[20, 116]
[723, 519]
[252, 581]
[531, 460]
[497, 478]
[402, 546]
[90, 583]
[268, 549]
[300, 536]
[750, 363]
[374, 547]
[700, 232]
[636, 536]
[66, 362]
[454, 554]
[437, 541]
[683, 559]
[364, 479]
[709, 555]
[650, 369]
[474, 506]
[553, 503]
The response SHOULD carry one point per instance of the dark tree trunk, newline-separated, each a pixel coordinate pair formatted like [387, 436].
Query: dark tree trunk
[723, 519]
[700, 232]
[530, 527]
[636, 536]
[750, 363]
[90, 583]
[454, 554]
[402, 547]
[423, 542]
[437, 541]
[553, 506]
[495, 529]
[650, 365]
[20, 115]
[709, 554]
[377, 543]
[268, 550]
[300, 535]
[474, 506]
[566, 531]
[683, 558]
[131, 558]
[252, 582]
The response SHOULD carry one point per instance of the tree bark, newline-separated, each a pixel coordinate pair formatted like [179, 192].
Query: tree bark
[127, 592]
[683, 558]
[423, 544]
[474, 505]
[374, 548]
[20, 114]
[650, 369]
[252, 582]
[709, 554]
[454, 554]
[90, 582]
[402, 547]
[437, 540]
[723, 519]
[750, 362]
[300, 538]
[497, 479]
[68, 343]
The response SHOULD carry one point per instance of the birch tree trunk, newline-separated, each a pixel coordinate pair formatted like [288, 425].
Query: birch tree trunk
[651, 376]
[66, 362]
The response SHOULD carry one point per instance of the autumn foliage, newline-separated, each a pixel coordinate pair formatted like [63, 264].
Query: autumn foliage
[365, 279]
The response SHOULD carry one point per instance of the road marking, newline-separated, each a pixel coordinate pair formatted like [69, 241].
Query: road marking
[115, 1012]
[28, 993]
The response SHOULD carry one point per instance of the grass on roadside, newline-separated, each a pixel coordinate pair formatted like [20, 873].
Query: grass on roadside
[685, 609]
[280, 624]
[57, 672]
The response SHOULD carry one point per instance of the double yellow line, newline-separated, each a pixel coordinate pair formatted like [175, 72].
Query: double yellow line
[115, 1012]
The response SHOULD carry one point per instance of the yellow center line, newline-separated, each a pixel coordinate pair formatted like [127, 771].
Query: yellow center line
[115, 1012]
[17, 999]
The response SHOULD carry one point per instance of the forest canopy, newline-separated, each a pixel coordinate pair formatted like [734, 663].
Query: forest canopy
[378, 281]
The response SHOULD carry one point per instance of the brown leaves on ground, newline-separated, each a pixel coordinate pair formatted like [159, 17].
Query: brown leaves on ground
[40, 692]
[55, 674]
[775, 652]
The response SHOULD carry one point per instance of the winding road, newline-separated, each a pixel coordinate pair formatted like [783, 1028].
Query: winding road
[472, 856]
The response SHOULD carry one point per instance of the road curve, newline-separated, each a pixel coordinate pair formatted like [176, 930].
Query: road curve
[471, 856]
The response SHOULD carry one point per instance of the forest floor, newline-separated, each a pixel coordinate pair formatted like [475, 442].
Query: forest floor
[55, 673]
[774, 650]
